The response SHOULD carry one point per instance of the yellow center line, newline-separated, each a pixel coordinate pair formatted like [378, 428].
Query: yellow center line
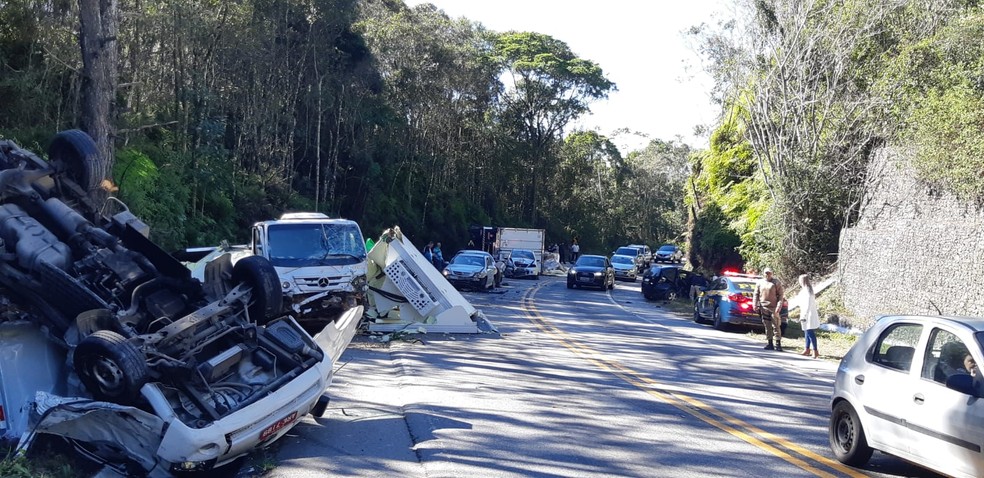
[706, 413]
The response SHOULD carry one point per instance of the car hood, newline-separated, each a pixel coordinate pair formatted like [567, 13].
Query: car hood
[623, 266]
[465, 268]
[588, 269]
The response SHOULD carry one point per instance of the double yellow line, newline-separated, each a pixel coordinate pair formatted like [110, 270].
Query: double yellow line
[762, 439]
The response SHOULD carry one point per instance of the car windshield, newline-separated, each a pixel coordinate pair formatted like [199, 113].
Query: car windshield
[667, 249]
[627, 251]
[522, 255]
[585, 261]
[621, 260]
[300, 245]
[468, 260]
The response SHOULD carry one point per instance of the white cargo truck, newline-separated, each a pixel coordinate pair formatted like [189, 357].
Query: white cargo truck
[509, 239]
[320, 261]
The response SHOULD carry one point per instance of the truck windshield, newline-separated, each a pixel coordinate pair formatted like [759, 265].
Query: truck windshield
[301, 245]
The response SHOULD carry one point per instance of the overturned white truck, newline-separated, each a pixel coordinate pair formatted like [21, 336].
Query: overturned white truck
[108, 342]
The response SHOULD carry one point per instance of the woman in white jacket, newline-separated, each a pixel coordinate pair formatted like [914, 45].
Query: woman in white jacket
[809, 316]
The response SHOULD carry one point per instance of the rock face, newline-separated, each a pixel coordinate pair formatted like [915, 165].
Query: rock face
[913, 249]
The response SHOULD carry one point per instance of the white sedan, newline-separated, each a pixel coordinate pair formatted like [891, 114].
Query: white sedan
[911, 387]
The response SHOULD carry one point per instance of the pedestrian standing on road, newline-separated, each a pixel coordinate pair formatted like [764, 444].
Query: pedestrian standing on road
[809, 315]
[575, 250]
[438, 256]
[767, 300]
[697, 282]
[429, 252]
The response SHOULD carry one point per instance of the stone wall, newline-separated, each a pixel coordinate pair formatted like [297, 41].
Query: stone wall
[913, 250]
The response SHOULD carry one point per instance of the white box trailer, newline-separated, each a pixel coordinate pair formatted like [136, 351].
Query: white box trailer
[510, 238]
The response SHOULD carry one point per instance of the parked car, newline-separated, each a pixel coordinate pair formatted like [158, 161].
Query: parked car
[472, 269]
[625, 267]
[911, 387]
[173, 376]
[638, 258]
[591, 271]
[646, 252]
[728, 300]
[522, 263]
[668, 253]
[665, 282]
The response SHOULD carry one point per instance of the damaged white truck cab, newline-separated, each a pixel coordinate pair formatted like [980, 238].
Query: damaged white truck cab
[321, 262]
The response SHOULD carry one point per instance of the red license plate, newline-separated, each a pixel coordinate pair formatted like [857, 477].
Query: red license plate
[270, 430]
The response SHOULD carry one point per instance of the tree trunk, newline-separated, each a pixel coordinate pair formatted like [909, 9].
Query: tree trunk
[99, 26]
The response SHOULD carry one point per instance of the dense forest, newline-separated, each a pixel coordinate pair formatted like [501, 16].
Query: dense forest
[218, 114]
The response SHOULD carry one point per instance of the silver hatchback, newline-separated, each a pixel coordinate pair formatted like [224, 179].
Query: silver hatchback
[911, 387]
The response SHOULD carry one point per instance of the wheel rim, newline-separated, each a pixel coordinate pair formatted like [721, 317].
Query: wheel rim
[844, 432]
[671, 296]
[107, 375]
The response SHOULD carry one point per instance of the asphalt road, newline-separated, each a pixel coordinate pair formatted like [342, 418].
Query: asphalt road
[577, 383]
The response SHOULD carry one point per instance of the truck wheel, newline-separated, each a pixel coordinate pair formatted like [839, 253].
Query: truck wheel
[110, 367]
[75, 153]
[266, 301]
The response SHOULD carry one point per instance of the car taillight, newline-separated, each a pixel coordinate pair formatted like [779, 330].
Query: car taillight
[744, 303]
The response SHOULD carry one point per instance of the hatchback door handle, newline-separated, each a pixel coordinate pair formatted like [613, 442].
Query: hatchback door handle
[918, 398]
[859, 379]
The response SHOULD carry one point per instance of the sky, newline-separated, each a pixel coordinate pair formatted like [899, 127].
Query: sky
[663, 91]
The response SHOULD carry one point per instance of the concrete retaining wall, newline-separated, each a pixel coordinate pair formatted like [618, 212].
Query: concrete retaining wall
[913, 250]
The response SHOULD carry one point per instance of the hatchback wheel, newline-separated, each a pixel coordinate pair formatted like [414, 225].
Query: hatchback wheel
[847, 439]
[697, 318]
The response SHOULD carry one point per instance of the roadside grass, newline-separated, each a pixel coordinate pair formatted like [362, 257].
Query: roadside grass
[49, 458]
[833, 345]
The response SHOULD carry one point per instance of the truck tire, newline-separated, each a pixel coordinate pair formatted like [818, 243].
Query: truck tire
[110, 367]
[75, 153]
[266, 301]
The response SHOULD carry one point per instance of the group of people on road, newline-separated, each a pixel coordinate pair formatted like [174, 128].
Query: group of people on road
[432, 252]
[767, 300]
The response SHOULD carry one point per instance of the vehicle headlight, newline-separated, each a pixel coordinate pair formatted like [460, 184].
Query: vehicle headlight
[446, 272]
[360, 283]
[598, 274]
[571, 272]
[481, 275]
[285, 285]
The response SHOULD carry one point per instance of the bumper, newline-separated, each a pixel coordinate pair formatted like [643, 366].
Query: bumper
[625, 274]
[459, 282]
[587, 281]
[262, 422]
[521, 272]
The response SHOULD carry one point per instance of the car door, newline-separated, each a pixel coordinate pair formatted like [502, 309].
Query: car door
[709, 299]
[489, 271]
[886, 386]
[947, 426]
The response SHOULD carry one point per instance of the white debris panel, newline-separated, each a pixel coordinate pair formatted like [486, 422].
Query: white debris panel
[406, 293]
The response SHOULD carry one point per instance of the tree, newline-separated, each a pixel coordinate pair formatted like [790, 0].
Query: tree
[548, 88]
[98, 39]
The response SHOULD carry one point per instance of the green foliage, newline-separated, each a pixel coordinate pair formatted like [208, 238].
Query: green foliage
[939, 85]
[729, 227]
